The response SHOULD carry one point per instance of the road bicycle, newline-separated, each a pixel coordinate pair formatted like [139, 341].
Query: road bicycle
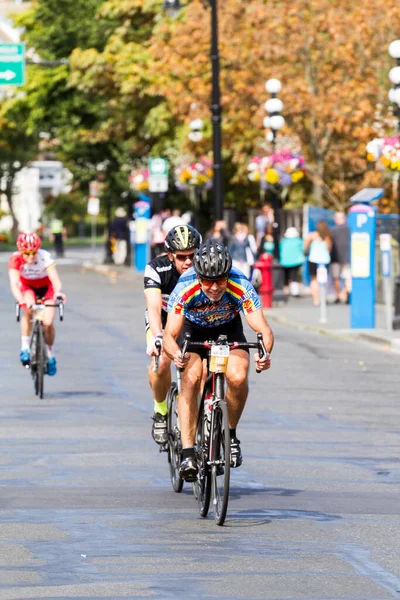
[213, 445]
[38, 353]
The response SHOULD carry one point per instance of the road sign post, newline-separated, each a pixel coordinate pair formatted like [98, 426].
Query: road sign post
[93, 209]
[385, 242]
[12, 64]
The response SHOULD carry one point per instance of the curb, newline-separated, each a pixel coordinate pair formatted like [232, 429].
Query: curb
[383, 342]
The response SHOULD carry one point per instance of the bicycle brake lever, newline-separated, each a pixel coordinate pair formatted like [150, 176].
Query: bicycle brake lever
[262, 351]
[184, 348]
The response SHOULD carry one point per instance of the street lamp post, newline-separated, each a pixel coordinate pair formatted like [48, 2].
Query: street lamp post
[394, 97]
[274, 122]
[173, 7]
[196, 135]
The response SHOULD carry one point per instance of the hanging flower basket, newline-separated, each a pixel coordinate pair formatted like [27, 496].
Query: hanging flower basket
[284, 168]
[385, 152]
[194, 174]
[139, 180]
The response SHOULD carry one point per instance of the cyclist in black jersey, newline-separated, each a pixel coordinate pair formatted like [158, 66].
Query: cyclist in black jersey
[160, 277]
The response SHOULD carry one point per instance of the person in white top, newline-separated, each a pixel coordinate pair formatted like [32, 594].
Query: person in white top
[33, 274]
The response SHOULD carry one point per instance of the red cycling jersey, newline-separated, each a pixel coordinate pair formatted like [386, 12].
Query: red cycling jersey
[33, 275]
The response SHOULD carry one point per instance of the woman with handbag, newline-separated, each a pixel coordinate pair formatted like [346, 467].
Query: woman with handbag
[318, 246]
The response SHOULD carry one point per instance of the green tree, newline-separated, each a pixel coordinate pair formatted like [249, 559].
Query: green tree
[17, 147]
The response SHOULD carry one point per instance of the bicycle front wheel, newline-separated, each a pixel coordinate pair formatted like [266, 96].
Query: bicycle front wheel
[41, 359]
[202, 487]
[220, 461]
[174, 439]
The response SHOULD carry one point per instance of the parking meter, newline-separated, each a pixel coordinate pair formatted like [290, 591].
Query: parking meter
[362, 224]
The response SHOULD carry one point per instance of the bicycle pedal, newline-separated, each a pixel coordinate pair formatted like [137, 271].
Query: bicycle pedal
[163, 448]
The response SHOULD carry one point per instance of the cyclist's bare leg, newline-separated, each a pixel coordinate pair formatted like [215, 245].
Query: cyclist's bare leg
[187, 401]
[49, 331]
[160, 382]
[26, 319]
[238, 388]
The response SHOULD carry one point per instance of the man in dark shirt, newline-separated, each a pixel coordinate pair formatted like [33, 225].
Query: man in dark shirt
[340, 258]
[160, 277]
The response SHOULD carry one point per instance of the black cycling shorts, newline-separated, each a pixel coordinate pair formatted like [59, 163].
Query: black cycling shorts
[233, 331]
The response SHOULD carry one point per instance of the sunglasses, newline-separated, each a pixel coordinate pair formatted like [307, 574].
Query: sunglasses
[210, 282]
[183, 257]
[29, 252]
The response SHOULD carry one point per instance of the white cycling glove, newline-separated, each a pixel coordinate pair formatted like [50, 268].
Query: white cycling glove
[152, 349]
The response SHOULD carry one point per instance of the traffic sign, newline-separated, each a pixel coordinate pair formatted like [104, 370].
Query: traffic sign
[93, 206]
[12, 64]
[158, 175]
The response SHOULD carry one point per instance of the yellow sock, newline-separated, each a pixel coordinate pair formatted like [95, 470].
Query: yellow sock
[160, 408]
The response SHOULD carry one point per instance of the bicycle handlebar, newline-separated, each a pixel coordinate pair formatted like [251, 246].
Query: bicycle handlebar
[222, 341]
[59, 305]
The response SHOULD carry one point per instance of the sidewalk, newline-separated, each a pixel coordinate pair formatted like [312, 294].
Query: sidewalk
[297, 312]
[301, 314]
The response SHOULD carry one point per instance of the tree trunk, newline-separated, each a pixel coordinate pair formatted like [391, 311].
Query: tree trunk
[318, 183]
[9, 195]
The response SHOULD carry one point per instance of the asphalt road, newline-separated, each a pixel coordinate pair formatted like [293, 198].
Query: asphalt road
[86, 507]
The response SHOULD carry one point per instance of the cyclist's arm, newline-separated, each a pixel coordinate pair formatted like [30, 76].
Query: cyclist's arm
[55, 279]
[14, 276]
[257, 322]
[153, 299]
[172, 330]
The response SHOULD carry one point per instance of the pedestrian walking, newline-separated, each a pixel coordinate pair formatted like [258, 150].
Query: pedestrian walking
[262, 220]
[58, 234]
[318, 246]
[340, 258]
[219, 232]
[291, 249]
[172, 221]
[267, 243]
[119, 234]
[242, 248]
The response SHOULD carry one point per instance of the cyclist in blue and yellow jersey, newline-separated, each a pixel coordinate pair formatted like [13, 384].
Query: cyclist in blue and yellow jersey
[160, 277]
[206, 303]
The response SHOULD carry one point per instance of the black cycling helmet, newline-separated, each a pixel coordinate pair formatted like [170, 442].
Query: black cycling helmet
[182, 238]
[212, 260]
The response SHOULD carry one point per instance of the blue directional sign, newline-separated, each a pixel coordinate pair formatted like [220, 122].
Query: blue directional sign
[12, 64]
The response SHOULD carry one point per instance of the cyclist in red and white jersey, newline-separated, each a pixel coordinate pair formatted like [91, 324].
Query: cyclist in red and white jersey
[33, 275]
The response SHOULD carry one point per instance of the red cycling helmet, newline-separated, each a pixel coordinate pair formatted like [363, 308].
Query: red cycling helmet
[28, 242]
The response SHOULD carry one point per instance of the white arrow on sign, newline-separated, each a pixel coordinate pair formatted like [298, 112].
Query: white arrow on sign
[7, 75]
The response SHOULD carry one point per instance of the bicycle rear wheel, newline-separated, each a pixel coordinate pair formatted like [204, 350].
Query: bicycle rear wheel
[202, 487]
[220, 461]
[174, 439]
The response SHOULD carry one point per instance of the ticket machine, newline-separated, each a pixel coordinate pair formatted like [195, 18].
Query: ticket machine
[362, 223]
